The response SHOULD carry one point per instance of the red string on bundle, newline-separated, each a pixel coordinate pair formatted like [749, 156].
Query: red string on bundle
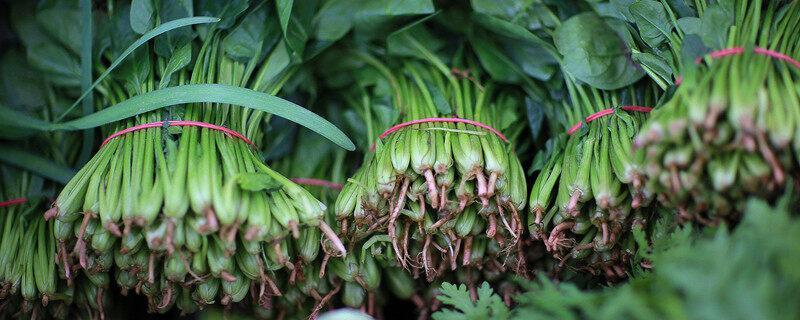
[605, 112]
[739, 50]
[13, 202]
[443, 120]
[178, 123]
[317, 183]
[440, 120]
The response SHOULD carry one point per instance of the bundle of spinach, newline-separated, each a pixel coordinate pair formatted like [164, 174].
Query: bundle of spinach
[29, 279]
[438, 190]
[730, 128]
[189, 215]
[589, 195]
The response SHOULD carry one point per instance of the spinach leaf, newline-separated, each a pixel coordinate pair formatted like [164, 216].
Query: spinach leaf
[337, 17]
[179, 60]
[143, 15]
[652, 20]
[714, 25]
[246, 39]
[46, 55]
[594, 53]
[167, 43]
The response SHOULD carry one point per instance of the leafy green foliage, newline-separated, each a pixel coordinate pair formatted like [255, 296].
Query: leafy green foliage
[595, 54]
[750, 273]
[651, 17]
[487, 306]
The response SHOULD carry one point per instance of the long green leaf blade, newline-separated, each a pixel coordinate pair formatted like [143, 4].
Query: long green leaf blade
[36, 164]
[165, 27]
[211, 93]
[86, 77]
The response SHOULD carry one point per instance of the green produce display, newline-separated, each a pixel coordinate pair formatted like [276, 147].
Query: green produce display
[326, 159]
[590, 195]
[729, 129]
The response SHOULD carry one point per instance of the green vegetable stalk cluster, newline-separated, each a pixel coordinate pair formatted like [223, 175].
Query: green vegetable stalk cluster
[189, 216]
[589, 195]
[29, 279]
[439, 195]
[732, 127]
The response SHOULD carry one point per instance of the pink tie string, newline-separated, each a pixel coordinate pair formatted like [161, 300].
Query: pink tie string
[13, 202]
[178, 123]
[443, 120]
[605, 112]
[317, 183]
[440, 120]
[740, 50]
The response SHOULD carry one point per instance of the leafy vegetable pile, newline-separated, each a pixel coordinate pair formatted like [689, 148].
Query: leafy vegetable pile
[753, 275]
[729, 129]
[446, 194]
[590, 193]
[141, 168]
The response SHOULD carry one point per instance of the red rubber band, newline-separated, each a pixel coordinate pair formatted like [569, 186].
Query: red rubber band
[178, 123]
[605, 112]
[739, 50]
[444, 120]
[317, 183]
[13, 202]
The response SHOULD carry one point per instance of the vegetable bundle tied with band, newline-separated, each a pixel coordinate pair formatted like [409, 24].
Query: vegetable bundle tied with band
[29, 278]
[589, 194]
[190, 216]
[731, 128]
[446, 193]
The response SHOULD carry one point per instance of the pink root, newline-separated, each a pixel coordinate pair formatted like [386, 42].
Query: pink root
[433, 193]
[492, 229]
[328, 232]
[482, 188]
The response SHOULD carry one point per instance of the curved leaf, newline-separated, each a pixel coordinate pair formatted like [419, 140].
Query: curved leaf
[210, 93]
[36, 164]
[171, 25]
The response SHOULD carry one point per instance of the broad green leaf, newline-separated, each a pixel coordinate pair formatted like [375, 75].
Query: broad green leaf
[20, 86]
[145, 37]
[210, 93]
[511, 30]
[334, 19]
[594, 53]
[226, 11]
[690, 25]
[535, 114]
[179, 60]
[143, 15]
[413, 40]
[275, 65]
[654, 63]
[623, 8]
[652, 20]
[493, 60]
[337, 17]
[167, 43]
[284, 12]
[253, 181]
[439, 100]
[135, 72]
[36, 164]
[682, 7]
[714, 25]
[15, 124]
[64, 25]
[46, 55]
[244, 41]
[507, 9]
